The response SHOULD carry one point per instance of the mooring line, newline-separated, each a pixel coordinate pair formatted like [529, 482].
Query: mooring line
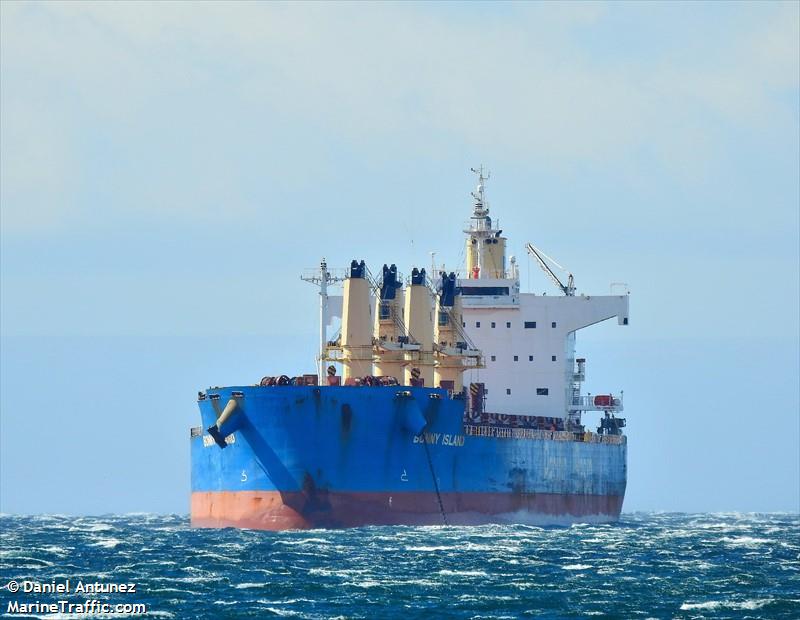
[435, 482]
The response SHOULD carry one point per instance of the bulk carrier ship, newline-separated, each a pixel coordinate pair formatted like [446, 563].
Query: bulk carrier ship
[447, 400]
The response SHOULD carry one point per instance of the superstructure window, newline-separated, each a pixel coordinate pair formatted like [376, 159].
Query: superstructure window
[477, 323]
[554, 358]
[508, 323]
[530, 324]
[516, 358]
[553, 324]
[542, 391]
[386, 311]
[444, 319]
[483, 290]
[494, 324]
[494, 358]
[508, 391]
[530, 358]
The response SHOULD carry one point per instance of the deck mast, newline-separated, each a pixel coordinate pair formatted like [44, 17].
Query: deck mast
[322, 279]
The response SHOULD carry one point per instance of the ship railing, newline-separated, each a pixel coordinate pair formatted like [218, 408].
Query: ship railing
[337, 274]
[505, 432]
[391, 345]
[335, 353]
[598, 402]
[500, 274]
[469, 225]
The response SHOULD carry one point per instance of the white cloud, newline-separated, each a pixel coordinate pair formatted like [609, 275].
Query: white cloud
[519, 81]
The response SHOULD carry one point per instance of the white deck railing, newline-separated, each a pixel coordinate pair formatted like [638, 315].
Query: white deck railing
[590, 403]
[501, 432]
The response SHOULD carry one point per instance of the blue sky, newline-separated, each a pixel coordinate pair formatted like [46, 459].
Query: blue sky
[167, 171]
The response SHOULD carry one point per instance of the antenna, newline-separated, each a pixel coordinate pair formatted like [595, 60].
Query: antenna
[479, 197]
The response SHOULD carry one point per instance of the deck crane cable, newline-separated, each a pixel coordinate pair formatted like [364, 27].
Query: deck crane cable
[455, 322]
[540, 257]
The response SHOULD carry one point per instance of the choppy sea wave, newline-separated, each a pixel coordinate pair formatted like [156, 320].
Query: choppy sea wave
[648, 565]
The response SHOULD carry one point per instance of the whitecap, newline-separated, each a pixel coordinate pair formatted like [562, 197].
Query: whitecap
[367, 583]
[753, 604]
[218, 556]
[515, 561]
[418, 582]
[327, 572]
[248, 584]
[322, 572]
[741, 605]
[280, 612]
[37, 563]
[707, 605]
[55, 549]
[174, 590]
[463, 573]
[93, 527]
[470, 546]
[107, 543]
[745, 541]
[576, 567]
[194, 579]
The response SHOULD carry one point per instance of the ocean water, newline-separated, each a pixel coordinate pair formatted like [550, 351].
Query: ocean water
[649, 565]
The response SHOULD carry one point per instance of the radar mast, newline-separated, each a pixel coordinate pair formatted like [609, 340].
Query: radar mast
[486, 249]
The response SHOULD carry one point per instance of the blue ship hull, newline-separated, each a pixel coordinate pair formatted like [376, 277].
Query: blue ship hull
[307, 456]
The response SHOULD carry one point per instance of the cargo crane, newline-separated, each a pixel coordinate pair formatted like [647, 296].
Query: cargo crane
[540, 257]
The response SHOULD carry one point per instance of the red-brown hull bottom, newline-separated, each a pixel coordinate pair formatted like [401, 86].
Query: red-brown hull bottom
[271, 510]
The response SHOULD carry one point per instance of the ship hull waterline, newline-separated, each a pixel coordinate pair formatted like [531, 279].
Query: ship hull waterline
[272, 510]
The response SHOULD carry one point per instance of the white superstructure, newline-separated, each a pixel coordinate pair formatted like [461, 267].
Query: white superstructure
[515, 350]
[527, 340]
[529, 348]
